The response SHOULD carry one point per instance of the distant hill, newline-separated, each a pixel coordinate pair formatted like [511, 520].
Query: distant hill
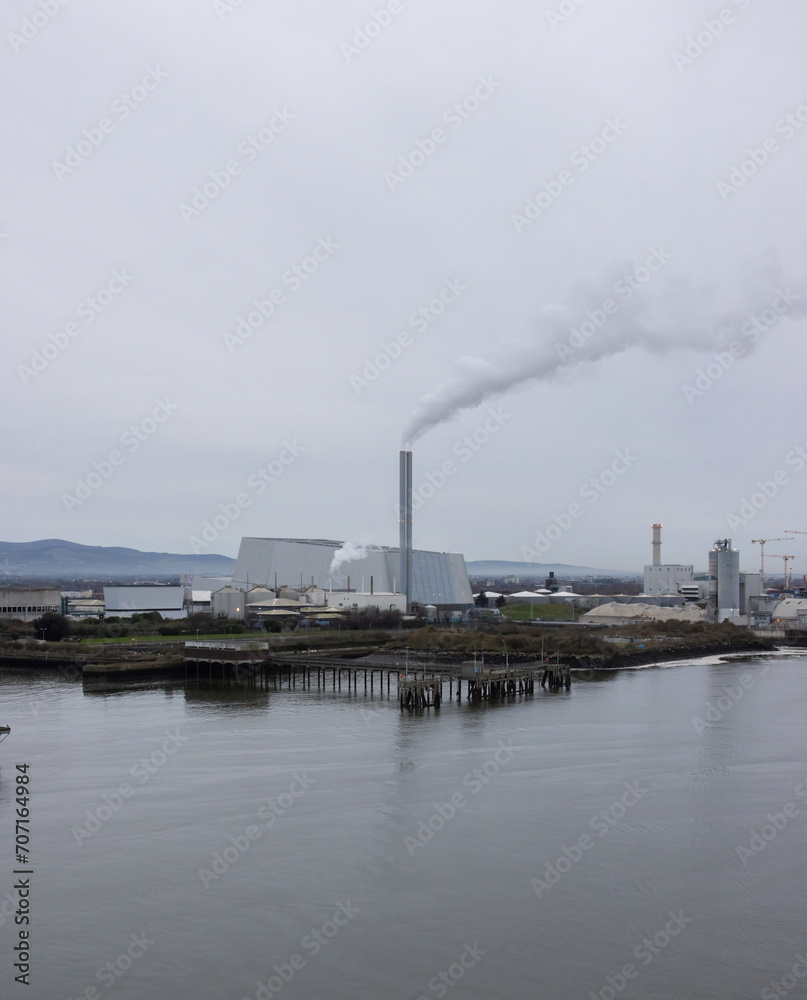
[56, 559]
[527, 570]
[53, 558]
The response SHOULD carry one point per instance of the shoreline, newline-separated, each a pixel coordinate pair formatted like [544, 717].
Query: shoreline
[441, 661]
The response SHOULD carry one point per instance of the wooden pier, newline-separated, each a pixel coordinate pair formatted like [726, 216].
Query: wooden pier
[487, 685]
[415, 689]
[420, 692]
[556, 676]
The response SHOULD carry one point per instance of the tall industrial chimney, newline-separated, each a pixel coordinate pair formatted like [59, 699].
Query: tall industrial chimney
[656, 544]
[405, 524]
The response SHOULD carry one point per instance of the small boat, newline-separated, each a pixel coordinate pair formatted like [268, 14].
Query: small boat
[4, 731]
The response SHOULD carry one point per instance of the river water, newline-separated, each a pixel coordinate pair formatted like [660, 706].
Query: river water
[641, 836]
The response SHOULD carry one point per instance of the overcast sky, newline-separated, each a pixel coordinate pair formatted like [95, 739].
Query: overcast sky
[460, 186]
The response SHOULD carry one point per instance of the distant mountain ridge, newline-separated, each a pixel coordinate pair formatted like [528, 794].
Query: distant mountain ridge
[499, 568]
[59, 560]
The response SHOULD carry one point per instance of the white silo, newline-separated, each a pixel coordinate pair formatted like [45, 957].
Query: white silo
[228, 601]
[724, 580]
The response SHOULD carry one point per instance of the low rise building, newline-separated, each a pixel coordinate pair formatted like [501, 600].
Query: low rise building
[123, 602]
[666, 579]
[26, 604]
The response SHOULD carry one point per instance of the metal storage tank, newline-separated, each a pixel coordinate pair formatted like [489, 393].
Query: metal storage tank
[728, 582]
[724, 580]
[228, 601]
[713, 578]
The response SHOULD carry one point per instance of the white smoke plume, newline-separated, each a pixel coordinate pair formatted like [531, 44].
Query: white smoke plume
[666, 314]
[348, 553]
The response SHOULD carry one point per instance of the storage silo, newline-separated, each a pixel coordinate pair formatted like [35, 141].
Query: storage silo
[728, 582]
[724, 580]
[228, 601]
[711, 604]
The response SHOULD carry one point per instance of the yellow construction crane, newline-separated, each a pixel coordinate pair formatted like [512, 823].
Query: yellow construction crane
[761, 543]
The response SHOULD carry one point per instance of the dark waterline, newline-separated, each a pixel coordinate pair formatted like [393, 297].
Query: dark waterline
[649, 802]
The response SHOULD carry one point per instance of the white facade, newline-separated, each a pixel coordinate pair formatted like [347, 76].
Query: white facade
[384, 602]
[750, 589]
[229, 601]
[665, 579]
[123, 602]
[788, 611]
[439, 578]
[698, 590]
[26, 605]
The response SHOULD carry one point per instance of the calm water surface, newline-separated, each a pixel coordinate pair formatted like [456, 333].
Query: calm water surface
[328, 846]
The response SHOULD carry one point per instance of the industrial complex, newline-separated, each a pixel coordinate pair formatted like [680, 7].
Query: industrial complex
[317, 580]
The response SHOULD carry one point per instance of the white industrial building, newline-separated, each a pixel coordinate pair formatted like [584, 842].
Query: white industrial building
[791, 613]
[354, 601]
[665, 578]
[123, 602]
[28, 604]
[438, 578]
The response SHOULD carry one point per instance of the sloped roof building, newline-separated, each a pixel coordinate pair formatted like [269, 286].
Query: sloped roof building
[438, 578]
